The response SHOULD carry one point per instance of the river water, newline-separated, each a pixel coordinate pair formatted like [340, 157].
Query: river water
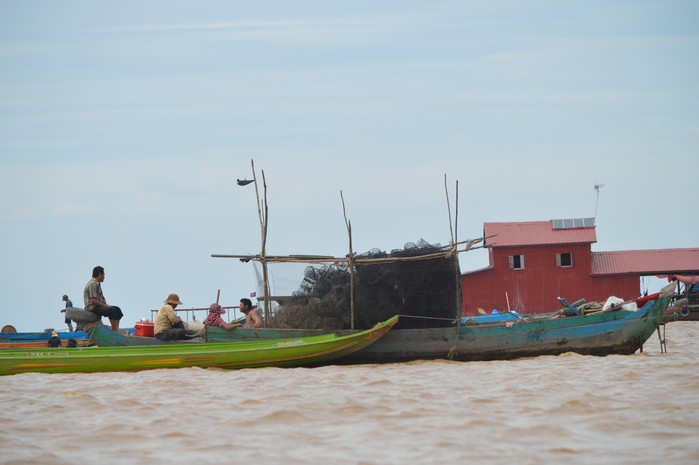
[568, 409]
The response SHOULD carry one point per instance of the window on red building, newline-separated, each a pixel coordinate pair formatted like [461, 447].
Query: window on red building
[516, 262]
[564, 260]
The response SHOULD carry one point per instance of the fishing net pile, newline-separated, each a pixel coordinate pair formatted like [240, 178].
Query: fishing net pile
[425, 289]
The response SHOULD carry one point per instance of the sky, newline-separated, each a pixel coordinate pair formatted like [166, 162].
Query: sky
[124, 126]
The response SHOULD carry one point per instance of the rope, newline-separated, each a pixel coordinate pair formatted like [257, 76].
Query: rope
[663, 344]
[453, 352]
[89, 328]
[427, 318]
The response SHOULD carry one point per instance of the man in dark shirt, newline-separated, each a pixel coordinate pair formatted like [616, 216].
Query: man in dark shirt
[69, 304]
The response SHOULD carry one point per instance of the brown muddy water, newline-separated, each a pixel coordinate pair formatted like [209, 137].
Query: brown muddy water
[568, 409]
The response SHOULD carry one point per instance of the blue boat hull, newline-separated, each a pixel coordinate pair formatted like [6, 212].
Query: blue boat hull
[600, 334]
[44, 336]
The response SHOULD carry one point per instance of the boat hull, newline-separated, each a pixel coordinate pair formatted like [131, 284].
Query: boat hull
[603, 333]
[230, 355]
[39, 344]
[43, 336]
[38, 340]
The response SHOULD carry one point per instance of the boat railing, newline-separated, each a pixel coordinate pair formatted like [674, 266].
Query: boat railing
[190, 314]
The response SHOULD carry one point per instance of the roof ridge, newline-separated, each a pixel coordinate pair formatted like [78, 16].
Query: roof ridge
[670, 249]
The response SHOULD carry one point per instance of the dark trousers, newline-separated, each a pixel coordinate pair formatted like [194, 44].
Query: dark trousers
[173, 333]
[111, 312]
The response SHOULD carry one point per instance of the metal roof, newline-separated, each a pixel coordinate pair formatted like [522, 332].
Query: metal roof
[646, 262]
[535, 233]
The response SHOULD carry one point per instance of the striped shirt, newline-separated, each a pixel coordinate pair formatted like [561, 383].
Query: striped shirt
[92, 289]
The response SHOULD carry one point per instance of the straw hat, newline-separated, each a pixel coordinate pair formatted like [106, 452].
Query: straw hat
[173, 299]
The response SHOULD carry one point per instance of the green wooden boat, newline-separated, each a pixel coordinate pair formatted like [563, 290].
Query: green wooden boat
[253, 354]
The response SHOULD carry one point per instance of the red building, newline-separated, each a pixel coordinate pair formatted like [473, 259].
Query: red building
[533, 263]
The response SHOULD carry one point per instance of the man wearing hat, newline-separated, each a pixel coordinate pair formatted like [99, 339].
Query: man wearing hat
[69, 304]
[54, 340]
[168, 326]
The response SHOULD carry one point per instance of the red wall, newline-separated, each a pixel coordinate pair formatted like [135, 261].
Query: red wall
[535, 288]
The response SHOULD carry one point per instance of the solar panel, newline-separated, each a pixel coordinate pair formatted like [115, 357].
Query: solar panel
[573, 223]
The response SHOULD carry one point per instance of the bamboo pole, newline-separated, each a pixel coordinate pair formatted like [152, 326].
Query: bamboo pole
[456, 214]
[446, 192]
[266, 270]
[262, 212]
[357, 261]
[453, 230]
[457, 268]
[314, 259]
[348, 224]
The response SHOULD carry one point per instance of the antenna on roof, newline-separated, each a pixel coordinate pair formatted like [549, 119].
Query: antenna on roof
[598, 186]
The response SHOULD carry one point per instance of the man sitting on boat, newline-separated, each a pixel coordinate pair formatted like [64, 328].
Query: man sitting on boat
[95, 301]
[168, 326]
[54, 340]
[214, 318]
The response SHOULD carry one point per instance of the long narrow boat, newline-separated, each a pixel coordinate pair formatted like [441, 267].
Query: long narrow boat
[42, 336]
[480, 338]
[39, 344]
[230, 355]
[604, 333]
[32, 340]
[38, 340]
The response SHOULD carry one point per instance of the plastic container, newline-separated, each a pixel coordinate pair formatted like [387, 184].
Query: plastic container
[144, 328]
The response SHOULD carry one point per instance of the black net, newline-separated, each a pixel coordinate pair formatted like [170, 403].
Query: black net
[424, 290]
